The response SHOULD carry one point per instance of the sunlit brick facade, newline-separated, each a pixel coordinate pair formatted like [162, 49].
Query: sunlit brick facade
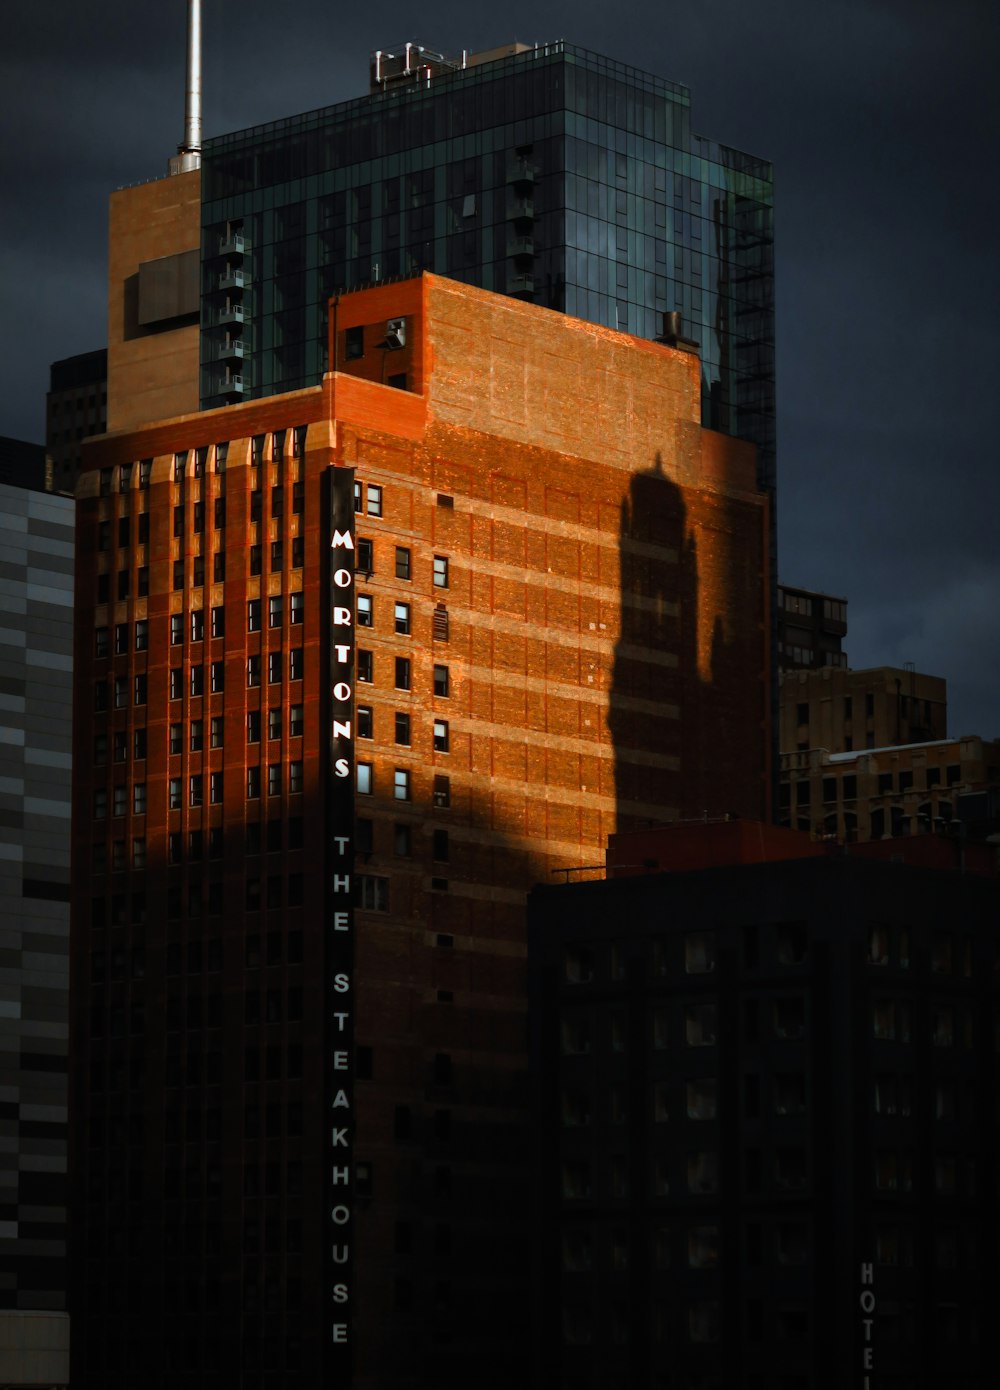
[561, 612]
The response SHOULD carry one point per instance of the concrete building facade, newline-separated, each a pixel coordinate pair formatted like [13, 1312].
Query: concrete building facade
[811, 629]
[36, 636]
[561, 607]
[844, 711]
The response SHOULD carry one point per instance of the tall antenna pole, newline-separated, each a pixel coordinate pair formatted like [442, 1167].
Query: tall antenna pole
[189, 151]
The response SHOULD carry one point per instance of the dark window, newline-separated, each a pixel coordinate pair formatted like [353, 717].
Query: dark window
[403, 562]
[441, 680]
[402, 613]
[364, 720]
[441, 845]
[442, 790]
[402, 727]
[354, 343]
[366, 556]
[365, 666]
[402, 673]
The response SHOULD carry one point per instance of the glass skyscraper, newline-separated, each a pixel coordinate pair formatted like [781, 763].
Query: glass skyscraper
[551, 174]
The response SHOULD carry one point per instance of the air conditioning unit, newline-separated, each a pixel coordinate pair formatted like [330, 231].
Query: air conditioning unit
[395, 333]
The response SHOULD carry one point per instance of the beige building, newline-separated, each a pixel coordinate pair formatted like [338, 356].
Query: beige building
[890, 791]
[842, 711]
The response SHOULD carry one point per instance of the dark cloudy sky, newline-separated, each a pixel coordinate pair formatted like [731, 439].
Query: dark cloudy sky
[882, 118]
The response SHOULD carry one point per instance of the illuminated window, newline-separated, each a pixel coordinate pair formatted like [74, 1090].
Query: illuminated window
[402, 614]
[440, 572]
[401, 784]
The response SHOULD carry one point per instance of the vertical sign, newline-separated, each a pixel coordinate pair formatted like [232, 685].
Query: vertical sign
[339, 930]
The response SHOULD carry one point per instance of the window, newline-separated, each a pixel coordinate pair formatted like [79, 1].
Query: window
[253, 615]
[441, 680]
[121, 638]
[374, 500]
[277, 555]
[298, 498]
[441, 740]
[296, 607]
[218, 622]
[176, 629]
[699, 1025]
[253, 783]
[364, 666]
[176, 683]
[295, 775]
[365, 614]
[119, 801]
[699, 953]
[274, 779]
[440, 571]
[402, 618]
[141, 635]
[139, 799]
[178, 575]
[197, 680]
[275, 608]
[365, 779]
[401, 784]
[364, 721]
[403, 564]
[274, 668]
[174, 794]
[442, 790]
[366, 556]
[440, 843]
[402, 841]
[140, 689]
[296, 721]
[197, 735]
[354, 343]
[402, 673]
[218, 675]
[253, 726]
[274, 723]
[295, 666]
[439, 623]
[216, 731]
[373, 893]
[298, 552]
[195, 790]
[100, 804]
[253, 670]
[145, 469]
[277, 501]
[101, 641]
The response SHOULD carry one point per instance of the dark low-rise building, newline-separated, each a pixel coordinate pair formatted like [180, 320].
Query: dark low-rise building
[765, 1118]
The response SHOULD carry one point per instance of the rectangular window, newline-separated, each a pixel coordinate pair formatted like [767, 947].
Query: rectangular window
[296, 608]
[298, 498]
[139, 744]
[121, 639]
[174, 794]
[256, 559]
[253, 726]
[296, 722]
[374, 500]
[218, 622]
[141, 635]
[253, 671]
[195, 790]
[253, 615]
[295, 665]
[402, 673]
[402, 562]
[197, 680]
[100, 804]
[120, 800]
[365, 613]
[176, 629]
[442, 790]
[275, 609]
[295, 775]
[274, 668]
[441, 681]
[216, 731]
[139, 799]
[273, 724]
[364, 721]
[140, 689]
[176, 683]
[441, 847]
[219, 567]
[366, 556]
[366, 780]
[365, 665]
[101, 641]
[218, 677]
[298, 552]
[441, 738]
[178, 575]
[373, 893]
[176, 738]
[440, 571]
[402, 618]
[277, 555]
[253, 783]
[197, 735]
[274, 779]
[402, 728]
[401, 784]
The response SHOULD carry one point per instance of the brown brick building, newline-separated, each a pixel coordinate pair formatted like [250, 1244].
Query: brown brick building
[559, 631]
[844, 711]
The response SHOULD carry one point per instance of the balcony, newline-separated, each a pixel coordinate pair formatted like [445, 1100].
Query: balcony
[520, 208]
[234, 349]
[234, 244]
[231, 313]
[232, 386]
[522, 248]
[232, 278]
[521, 173]
[520, 286]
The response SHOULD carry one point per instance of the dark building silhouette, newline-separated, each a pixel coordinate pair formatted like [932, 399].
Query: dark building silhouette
[764, 1112]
